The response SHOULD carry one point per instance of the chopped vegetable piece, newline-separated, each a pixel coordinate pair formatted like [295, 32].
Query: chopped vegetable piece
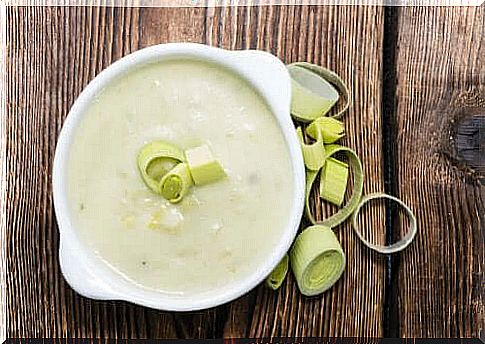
[313, 154]
[333, 181]
[317, 260]
[155, 159]
[312, 96]
[330, 129]
[203, 166]
[176, 183]
[349, 208]
[397, 246]
[277, 276]
[329, 76]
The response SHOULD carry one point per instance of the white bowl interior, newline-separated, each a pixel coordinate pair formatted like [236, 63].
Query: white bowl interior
[91, 276]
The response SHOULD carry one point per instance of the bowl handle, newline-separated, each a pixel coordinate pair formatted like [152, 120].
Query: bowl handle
[80, 273]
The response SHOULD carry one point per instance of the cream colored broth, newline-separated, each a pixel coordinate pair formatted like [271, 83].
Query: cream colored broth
[220, 232]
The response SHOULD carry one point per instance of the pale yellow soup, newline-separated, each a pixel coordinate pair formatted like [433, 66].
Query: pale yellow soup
[220, 233]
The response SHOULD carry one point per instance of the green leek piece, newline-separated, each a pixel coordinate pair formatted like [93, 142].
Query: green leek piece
[203, 166]
[155, 159]
[330, 129]
[333, 181]
[301, 97]
[317, 260]
[313, 154]
[397, 246]
[353, 202]
[175, 184]
[312, 96]
[277, 276]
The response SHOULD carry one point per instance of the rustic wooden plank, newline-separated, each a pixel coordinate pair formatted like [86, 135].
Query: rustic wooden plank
[348, 40]
[3, 178]
[440, 66]
[304, 33]
[44, 82]
[52, 53]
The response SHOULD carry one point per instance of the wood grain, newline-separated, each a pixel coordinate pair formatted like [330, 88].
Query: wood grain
[53, 52]
[349, 41]
[440, 73]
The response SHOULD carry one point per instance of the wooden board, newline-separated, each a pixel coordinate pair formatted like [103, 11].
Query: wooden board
[440, 77]
[52, 53]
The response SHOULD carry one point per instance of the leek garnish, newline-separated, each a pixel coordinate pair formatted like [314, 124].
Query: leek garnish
[312, 96]
[313, 154]
[309, 112]
[397, 246]
[333, 181]
[203, 166]
[175, 184]
[351, 205]
[155, 159]
[170, 172]
[328, 128]
[277, 276]
[317, 260]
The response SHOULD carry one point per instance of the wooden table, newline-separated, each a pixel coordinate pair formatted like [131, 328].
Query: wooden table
[417, 77]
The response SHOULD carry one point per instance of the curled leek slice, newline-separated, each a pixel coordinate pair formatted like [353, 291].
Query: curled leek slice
[333, 181]
[348, 209]
[317, 260]
[397, 246]
[175, 184]
[277, 276]
[313, 154]
[311, 98]
[328, 128]
[155, 159]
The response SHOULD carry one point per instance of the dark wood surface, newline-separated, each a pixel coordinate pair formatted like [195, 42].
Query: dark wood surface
[417, 79]
[440, 73]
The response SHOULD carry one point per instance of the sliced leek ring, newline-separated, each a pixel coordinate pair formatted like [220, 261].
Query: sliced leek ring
[317, 260]
[311, 97]
[155, 159]
[397, 246]
[176, 183]
[348, 209]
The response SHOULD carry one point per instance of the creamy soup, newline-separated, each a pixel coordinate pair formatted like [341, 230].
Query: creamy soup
[220, 232]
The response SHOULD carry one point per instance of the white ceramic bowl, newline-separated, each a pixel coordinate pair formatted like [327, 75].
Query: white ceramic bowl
[91, 276]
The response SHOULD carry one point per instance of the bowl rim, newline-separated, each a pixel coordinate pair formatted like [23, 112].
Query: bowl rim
[91, 276]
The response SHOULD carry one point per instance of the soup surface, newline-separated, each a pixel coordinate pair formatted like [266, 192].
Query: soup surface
[220, 232]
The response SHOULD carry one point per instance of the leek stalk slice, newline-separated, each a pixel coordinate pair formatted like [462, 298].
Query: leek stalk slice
[397, 246]
[317, 260]
[333, 181]
[176, 183]
[315, 90]
[277, 276]
[328, 128]
[203, 166]
[313, 154]
[312, 96]
[155, 159]
[348, 209]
